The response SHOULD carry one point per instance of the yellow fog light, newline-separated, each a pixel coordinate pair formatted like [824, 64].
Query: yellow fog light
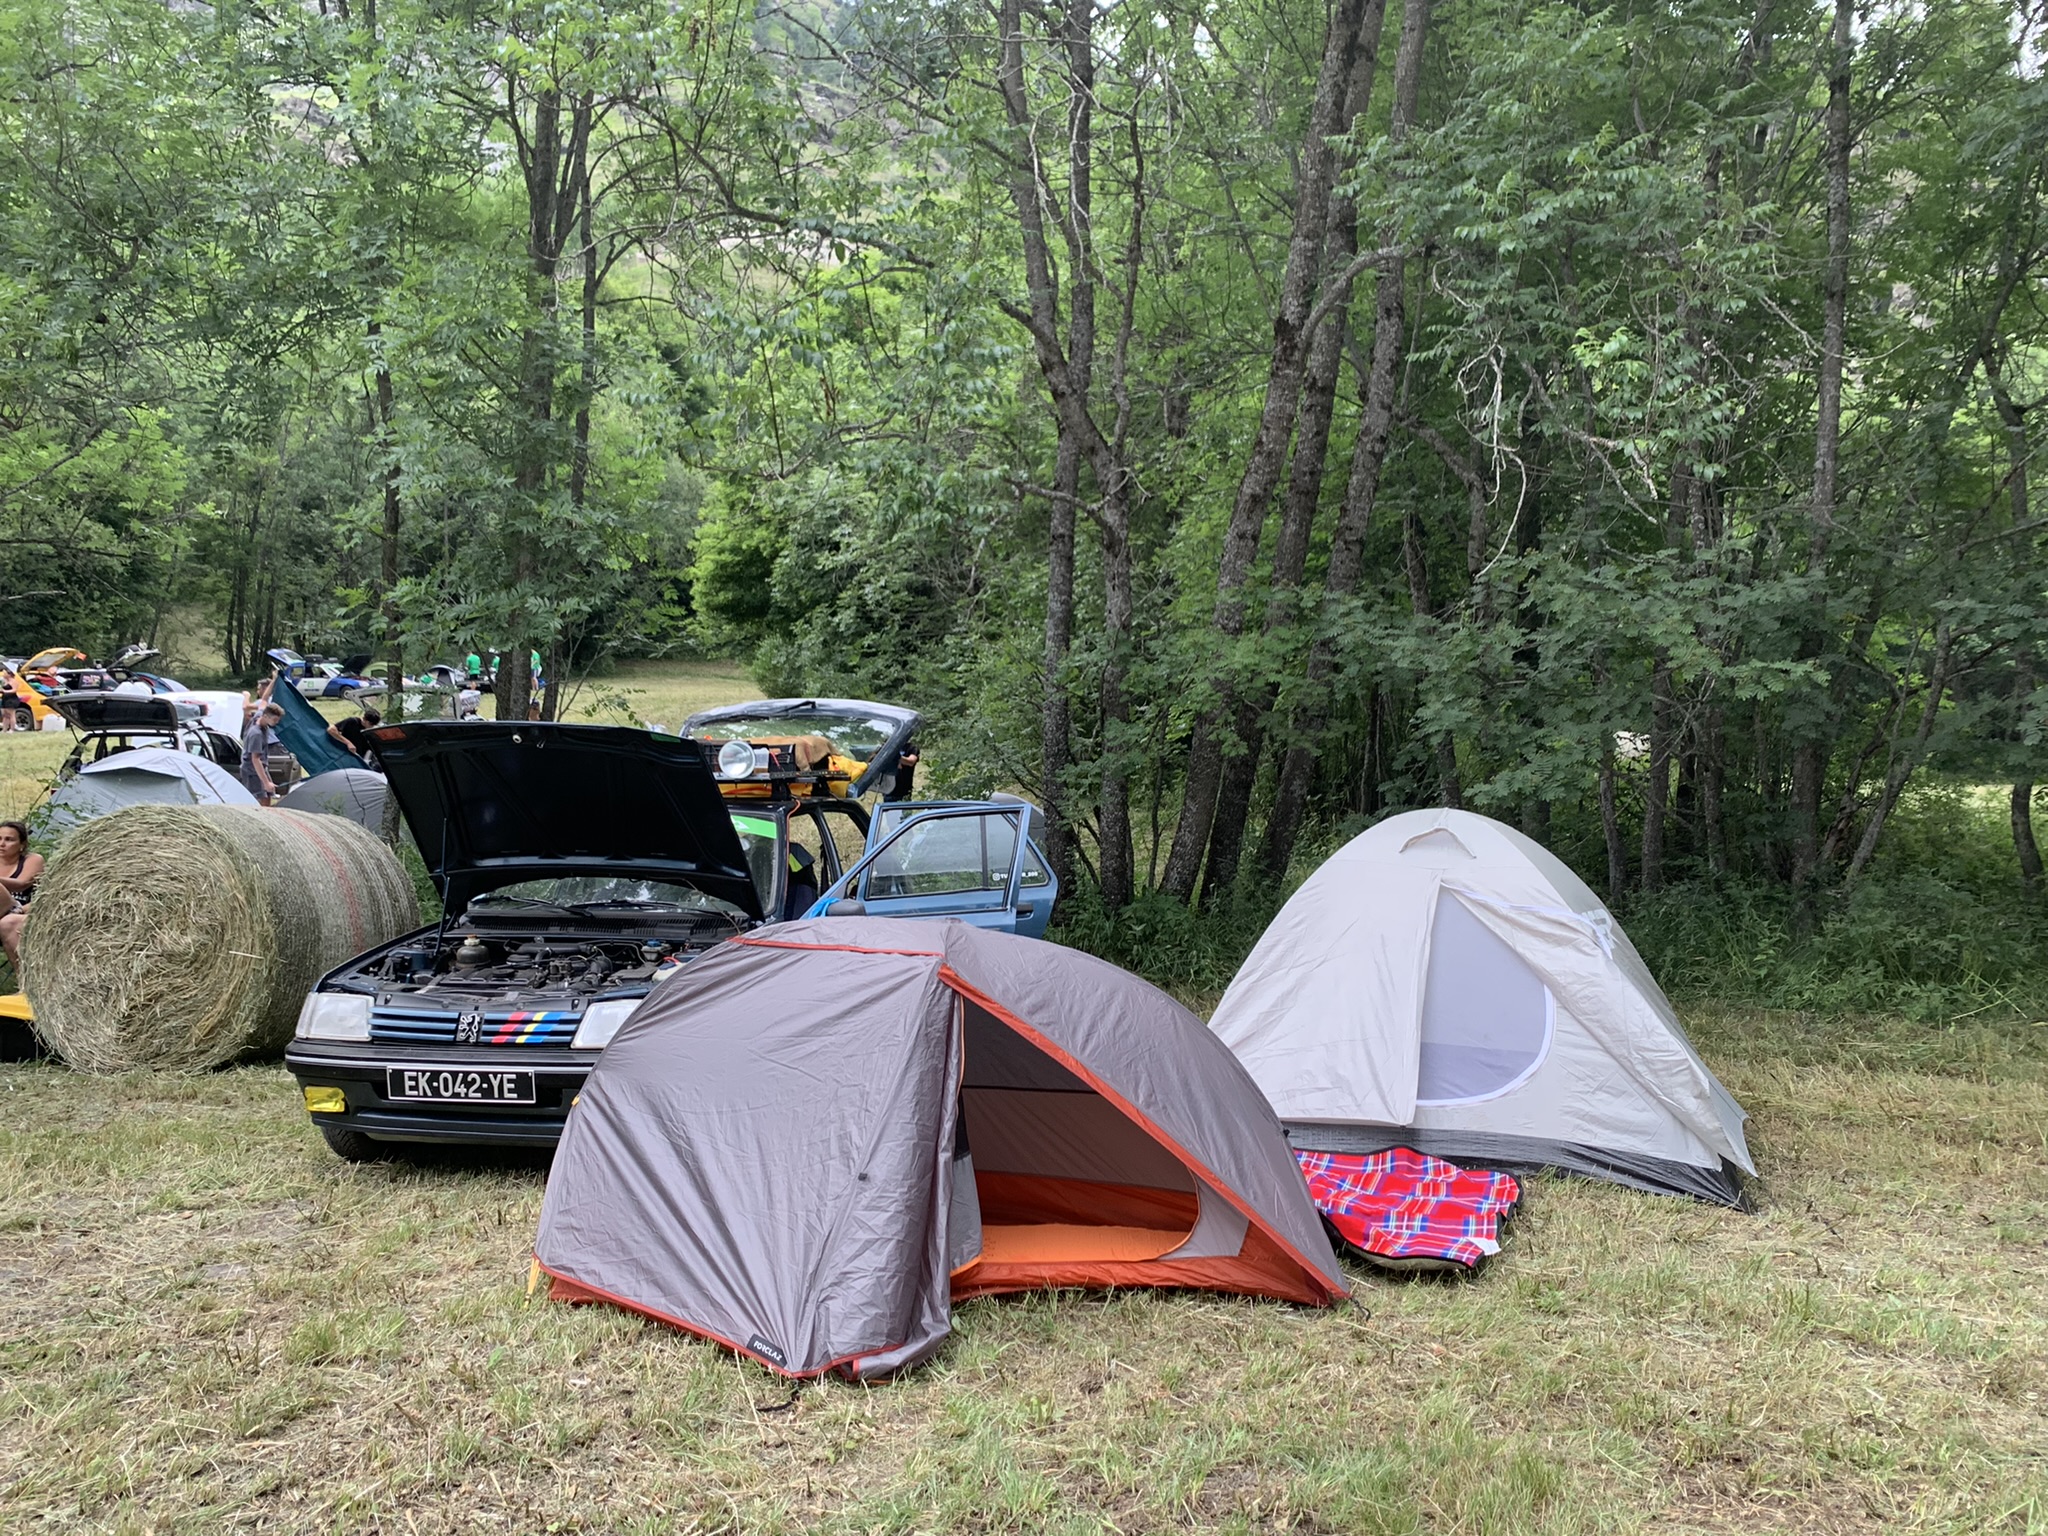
[326, 1101]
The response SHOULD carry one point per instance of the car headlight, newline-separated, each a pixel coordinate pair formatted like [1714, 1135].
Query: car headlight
[334, 1016]
[601, 1021]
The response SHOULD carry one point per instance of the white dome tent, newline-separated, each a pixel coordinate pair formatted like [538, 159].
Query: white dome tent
[1444, 983]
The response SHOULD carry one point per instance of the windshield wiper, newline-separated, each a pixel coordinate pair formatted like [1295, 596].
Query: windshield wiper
[493, 899]
[649, 903]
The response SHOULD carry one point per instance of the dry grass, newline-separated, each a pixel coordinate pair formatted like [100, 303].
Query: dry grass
[28, 761]
[207, 1323]
[660, 692]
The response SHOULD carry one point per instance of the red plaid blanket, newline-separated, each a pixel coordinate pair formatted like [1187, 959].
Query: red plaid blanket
[1412, 1210]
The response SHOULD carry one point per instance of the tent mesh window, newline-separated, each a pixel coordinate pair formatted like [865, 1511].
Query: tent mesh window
[1486, 1017]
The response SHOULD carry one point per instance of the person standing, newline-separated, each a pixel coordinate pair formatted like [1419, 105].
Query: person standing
[906, 773]
[256, 753]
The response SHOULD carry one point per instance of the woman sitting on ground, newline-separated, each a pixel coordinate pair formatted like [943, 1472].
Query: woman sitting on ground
[19, 870]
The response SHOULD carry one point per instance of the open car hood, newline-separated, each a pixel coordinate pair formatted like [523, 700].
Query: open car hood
[142, 714]
[55, 656]
[869, 734]
[491, 803]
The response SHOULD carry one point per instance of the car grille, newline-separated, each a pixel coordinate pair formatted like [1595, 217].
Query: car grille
[495, 1026]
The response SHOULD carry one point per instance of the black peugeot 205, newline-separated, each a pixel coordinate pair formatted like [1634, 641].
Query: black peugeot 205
[577, 865]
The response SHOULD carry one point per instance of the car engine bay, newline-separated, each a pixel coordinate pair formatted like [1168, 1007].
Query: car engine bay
[466, 967]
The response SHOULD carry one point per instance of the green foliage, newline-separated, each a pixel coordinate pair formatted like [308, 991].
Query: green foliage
[1191, 953]
[626, 330]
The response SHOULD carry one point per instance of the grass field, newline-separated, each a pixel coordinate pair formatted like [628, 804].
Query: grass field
[208, 1323]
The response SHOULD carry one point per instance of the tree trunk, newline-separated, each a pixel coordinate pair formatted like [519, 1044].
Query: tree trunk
[1903, 763]
[1610, 822]
[1070, 390]
[1269, 443]
[1114, 810]
[387, 570]
[1306, 473]
[1056, 719]
[2023, 843]
[1657, 793]
[1809, 763]
[1713, 751]
[551, 143]
[1055, 738]
[1368, 455]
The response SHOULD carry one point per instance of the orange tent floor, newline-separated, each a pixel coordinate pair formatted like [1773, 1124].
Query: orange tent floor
[1055, 1242]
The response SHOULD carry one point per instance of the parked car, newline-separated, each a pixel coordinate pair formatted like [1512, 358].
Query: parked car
[578, 866]
[979, 861]
[320, 677]
[842, 746]
[107, 723]
[971, 859]
[60, 669]
[125, 670]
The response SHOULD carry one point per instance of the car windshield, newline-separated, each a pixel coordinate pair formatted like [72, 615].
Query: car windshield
[607, 893]
[855, 736]
[759, 839]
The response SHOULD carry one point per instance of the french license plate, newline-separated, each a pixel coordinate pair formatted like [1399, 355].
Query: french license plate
[458, 1085]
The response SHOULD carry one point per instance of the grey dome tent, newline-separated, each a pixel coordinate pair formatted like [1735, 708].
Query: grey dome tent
[809, 1143]
[356, 793]
[1444, 983]
[140, 776]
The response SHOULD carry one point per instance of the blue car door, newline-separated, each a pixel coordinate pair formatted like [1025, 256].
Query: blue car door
[972, 861]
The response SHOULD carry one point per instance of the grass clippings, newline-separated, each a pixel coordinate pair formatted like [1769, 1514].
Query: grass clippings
[208, 1323]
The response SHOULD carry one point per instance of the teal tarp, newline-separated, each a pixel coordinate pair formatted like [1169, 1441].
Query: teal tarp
[303, 730]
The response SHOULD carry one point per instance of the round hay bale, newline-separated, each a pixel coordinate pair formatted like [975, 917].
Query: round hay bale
[183, 938]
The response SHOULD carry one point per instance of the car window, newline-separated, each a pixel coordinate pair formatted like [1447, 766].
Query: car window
[946, 857]
[807, 831]
[759, 840]
[848, 833]
[889, 817]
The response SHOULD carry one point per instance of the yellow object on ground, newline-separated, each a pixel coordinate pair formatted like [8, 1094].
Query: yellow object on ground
[14, 1005]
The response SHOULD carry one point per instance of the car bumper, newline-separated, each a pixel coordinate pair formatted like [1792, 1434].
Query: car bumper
[361, 1073]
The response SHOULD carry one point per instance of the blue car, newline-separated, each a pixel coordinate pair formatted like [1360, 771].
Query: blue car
[316, 677]
[977, 860]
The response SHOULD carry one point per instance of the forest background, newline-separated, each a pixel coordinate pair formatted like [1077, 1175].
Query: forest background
[1227, 422]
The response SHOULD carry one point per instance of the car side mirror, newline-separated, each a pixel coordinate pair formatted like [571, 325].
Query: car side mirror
[847, 907]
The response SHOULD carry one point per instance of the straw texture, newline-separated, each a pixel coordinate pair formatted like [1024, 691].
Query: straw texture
[182, 938]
